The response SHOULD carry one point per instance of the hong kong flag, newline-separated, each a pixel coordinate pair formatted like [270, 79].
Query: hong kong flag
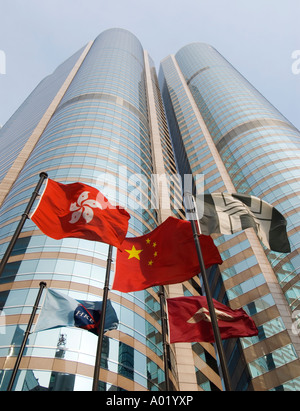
[189, 320]
[166, 255]
[81, 211]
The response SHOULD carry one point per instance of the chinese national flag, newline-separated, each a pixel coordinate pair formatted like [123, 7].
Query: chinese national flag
[189, 320]
[167, 255]
[80, 211]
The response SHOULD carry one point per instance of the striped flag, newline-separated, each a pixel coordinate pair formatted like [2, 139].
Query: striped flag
[229, 213]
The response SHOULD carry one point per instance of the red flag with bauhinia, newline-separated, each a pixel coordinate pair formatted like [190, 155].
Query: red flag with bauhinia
[80, 211]
[189, 320]
[167, 255]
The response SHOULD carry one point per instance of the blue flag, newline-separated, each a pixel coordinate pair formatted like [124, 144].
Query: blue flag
[59, 310]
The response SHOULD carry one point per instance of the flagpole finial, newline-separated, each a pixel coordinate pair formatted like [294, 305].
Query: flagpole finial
[43, 284]
[44, 174]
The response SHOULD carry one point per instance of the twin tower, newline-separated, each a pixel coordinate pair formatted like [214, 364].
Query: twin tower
[107, 118]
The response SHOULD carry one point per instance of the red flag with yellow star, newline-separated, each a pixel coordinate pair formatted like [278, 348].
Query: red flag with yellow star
[167, 255]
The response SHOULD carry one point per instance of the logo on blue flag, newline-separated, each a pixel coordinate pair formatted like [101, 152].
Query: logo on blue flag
[60, 310]
[87, 319]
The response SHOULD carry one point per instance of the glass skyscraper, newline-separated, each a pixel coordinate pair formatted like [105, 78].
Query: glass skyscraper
[103, 118]
[223, 128]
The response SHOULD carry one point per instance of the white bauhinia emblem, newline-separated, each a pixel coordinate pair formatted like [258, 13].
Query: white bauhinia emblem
[203, 315]
[83, 207]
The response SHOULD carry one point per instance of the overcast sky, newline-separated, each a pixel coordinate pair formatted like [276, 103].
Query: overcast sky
[258, 37]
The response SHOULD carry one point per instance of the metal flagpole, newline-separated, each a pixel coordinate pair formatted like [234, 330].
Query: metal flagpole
[26, 335]
[214, 320]
[166, 348]
[15, 237]
[102, 321]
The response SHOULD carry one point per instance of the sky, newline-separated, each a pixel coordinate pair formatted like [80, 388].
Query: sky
[260, 38]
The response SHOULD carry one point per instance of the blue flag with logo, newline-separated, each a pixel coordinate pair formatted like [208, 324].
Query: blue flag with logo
[59, 310]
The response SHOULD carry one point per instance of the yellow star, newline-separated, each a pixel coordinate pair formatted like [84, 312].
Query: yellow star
[154, 245]
[155, 254]
[148, 241]
[134, 253]
[150, 262]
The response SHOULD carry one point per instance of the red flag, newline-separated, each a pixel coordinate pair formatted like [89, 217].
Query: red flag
[189, 320]
[80, 211]
[167, 255]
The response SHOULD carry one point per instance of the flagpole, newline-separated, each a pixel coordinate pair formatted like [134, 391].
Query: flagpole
[166, 348]
[210, 304]
[18, 230]
[26, 335]
[102, 321]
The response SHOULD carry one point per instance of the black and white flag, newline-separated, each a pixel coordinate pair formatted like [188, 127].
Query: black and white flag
[229, 213]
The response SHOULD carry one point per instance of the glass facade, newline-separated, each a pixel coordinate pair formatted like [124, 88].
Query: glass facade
[100, 130]
[21, 125]
[258, 146]
[114, 126]
[224, 129]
